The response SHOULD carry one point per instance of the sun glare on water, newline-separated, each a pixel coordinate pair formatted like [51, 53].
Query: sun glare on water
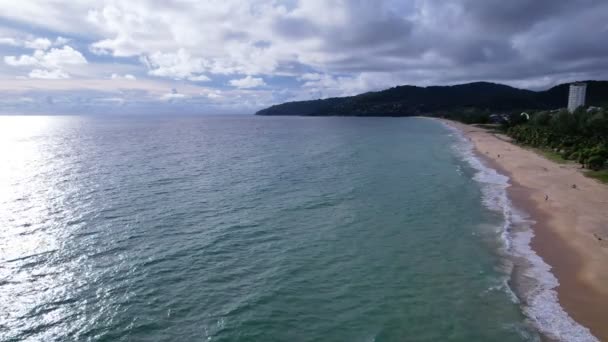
[27, 237]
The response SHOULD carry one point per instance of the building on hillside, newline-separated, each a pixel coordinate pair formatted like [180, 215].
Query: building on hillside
[576, 98]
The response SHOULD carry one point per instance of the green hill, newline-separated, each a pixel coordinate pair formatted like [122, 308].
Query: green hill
[413, 100]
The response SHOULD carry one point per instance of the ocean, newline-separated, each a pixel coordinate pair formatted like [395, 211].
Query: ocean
[243, 228]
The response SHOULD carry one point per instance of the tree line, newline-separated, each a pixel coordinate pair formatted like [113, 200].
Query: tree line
[581, 136]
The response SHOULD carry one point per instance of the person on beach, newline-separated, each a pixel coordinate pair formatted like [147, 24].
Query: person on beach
[546, 197]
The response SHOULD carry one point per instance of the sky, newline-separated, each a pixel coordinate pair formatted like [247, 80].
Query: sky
[230, 56]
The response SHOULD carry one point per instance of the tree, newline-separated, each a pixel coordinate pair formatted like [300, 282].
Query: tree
[541, 119]
[563, 122]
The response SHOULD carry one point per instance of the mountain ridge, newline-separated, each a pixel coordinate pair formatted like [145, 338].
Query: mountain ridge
[409, 100]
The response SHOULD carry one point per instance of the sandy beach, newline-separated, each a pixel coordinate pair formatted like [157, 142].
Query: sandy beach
[571, 230]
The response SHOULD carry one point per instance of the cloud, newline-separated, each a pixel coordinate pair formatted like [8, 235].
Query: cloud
[326, 85]
[54, 74]
[54, 58]
[178, 66]
[64, 56]
[329, 37]
[264, 37]
[17, 100]
[248, 82]
[49, 63]
[311, 77]
[38, 44]
[115, 100]
[8, 41]
[173, 95]
[34, 43]
[61, 41]
[130, 77]
[24, 60]
[214, 95]
[303, 48]
[199, 78]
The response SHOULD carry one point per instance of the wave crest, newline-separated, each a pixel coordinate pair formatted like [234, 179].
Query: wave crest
[539, 301]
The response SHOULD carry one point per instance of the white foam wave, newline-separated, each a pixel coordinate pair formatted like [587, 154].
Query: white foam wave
[540, 302]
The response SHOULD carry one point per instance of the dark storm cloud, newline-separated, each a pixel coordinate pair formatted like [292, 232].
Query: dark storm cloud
[490, 39]
[374, 33]
[580, 35]
[516, 15]
[295, 28]
[362, 31]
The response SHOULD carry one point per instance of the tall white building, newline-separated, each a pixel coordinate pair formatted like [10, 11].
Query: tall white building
[576, 98]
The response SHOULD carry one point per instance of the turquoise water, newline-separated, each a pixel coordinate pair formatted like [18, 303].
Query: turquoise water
[247, 229]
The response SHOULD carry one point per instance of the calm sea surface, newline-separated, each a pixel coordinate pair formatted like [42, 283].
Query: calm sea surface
[246, 229]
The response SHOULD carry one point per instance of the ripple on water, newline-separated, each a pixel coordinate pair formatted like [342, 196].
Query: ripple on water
[231, 229]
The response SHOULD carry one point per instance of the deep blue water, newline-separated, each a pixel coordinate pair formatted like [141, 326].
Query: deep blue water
[246, 229]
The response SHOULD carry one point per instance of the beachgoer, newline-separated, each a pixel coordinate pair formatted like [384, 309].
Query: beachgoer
[546, 197]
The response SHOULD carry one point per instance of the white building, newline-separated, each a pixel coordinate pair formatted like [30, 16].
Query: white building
[576, 98]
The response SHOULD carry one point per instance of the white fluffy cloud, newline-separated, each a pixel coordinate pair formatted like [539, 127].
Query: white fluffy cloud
[248, 82]
[34, 43]
[48, 64]
[183, 42]
[54, 74]
[54, 58]
[179, 65]
[38, 44]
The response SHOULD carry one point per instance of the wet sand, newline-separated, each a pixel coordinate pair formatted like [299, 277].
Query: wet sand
[571, 229]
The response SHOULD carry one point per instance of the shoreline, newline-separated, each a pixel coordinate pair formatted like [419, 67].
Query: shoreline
[564, 232]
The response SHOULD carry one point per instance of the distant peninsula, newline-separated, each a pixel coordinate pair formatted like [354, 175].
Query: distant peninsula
[437, 100]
